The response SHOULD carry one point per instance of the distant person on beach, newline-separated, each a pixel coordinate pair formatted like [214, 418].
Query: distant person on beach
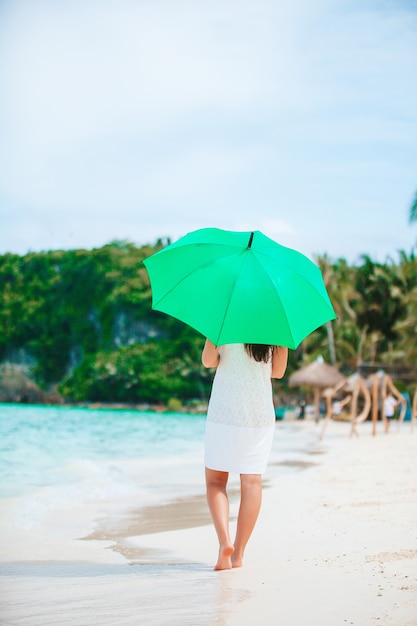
[239, 431]
[390, 404]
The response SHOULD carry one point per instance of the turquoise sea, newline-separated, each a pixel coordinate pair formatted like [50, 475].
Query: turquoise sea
[53, 458]
[73, 482]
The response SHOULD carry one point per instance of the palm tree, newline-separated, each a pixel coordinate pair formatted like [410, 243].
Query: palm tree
[406, 325]
[342, 333]
[413, 210]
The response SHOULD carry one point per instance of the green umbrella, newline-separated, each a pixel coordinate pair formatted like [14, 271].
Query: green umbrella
[239, 287]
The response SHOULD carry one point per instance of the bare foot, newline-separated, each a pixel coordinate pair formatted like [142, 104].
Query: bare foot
[237, 562]
[224, 561]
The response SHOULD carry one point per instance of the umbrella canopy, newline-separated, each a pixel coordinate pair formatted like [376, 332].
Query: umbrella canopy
[239, 287]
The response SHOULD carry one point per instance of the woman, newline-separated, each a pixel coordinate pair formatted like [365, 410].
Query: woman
[239, 431]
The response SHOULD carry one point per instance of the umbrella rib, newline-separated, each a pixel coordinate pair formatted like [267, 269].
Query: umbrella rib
[297, 273]
[274, 291]
[291, 267]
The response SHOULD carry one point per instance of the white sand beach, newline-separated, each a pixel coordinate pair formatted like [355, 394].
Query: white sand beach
[335, 544]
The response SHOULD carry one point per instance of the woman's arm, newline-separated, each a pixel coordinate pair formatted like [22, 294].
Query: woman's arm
[210, 356]
[279, 361]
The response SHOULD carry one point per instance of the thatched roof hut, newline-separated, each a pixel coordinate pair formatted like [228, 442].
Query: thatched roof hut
[318, 375]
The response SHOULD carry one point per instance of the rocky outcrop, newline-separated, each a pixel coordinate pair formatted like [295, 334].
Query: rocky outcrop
[17, 386]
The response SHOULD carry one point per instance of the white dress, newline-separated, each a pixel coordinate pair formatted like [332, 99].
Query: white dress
[240, 418]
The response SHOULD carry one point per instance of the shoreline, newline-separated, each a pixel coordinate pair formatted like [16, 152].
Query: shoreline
[335, 544]
[115, 406]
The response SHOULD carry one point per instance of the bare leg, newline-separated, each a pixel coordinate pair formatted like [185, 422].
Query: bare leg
[250, 504]
[218, 502]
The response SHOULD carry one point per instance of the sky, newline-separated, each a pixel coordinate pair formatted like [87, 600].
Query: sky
[144, 119]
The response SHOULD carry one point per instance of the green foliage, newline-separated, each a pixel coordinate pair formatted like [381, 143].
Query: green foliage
[83, 319]
[376, 308]
[174, 404]
[138, 373]
[379, 303]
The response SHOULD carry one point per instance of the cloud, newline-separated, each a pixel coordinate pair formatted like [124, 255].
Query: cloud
[126, 119]
[85, 65]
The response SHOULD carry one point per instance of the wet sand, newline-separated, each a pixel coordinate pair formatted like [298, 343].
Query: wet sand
[336, 543]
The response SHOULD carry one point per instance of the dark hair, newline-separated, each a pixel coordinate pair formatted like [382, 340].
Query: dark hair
[259, 351]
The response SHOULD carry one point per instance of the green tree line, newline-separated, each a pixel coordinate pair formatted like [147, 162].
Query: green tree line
[81, 321]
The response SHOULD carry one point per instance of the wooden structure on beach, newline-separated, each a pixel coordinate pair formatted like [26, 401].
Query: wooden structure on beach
[359, 397]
